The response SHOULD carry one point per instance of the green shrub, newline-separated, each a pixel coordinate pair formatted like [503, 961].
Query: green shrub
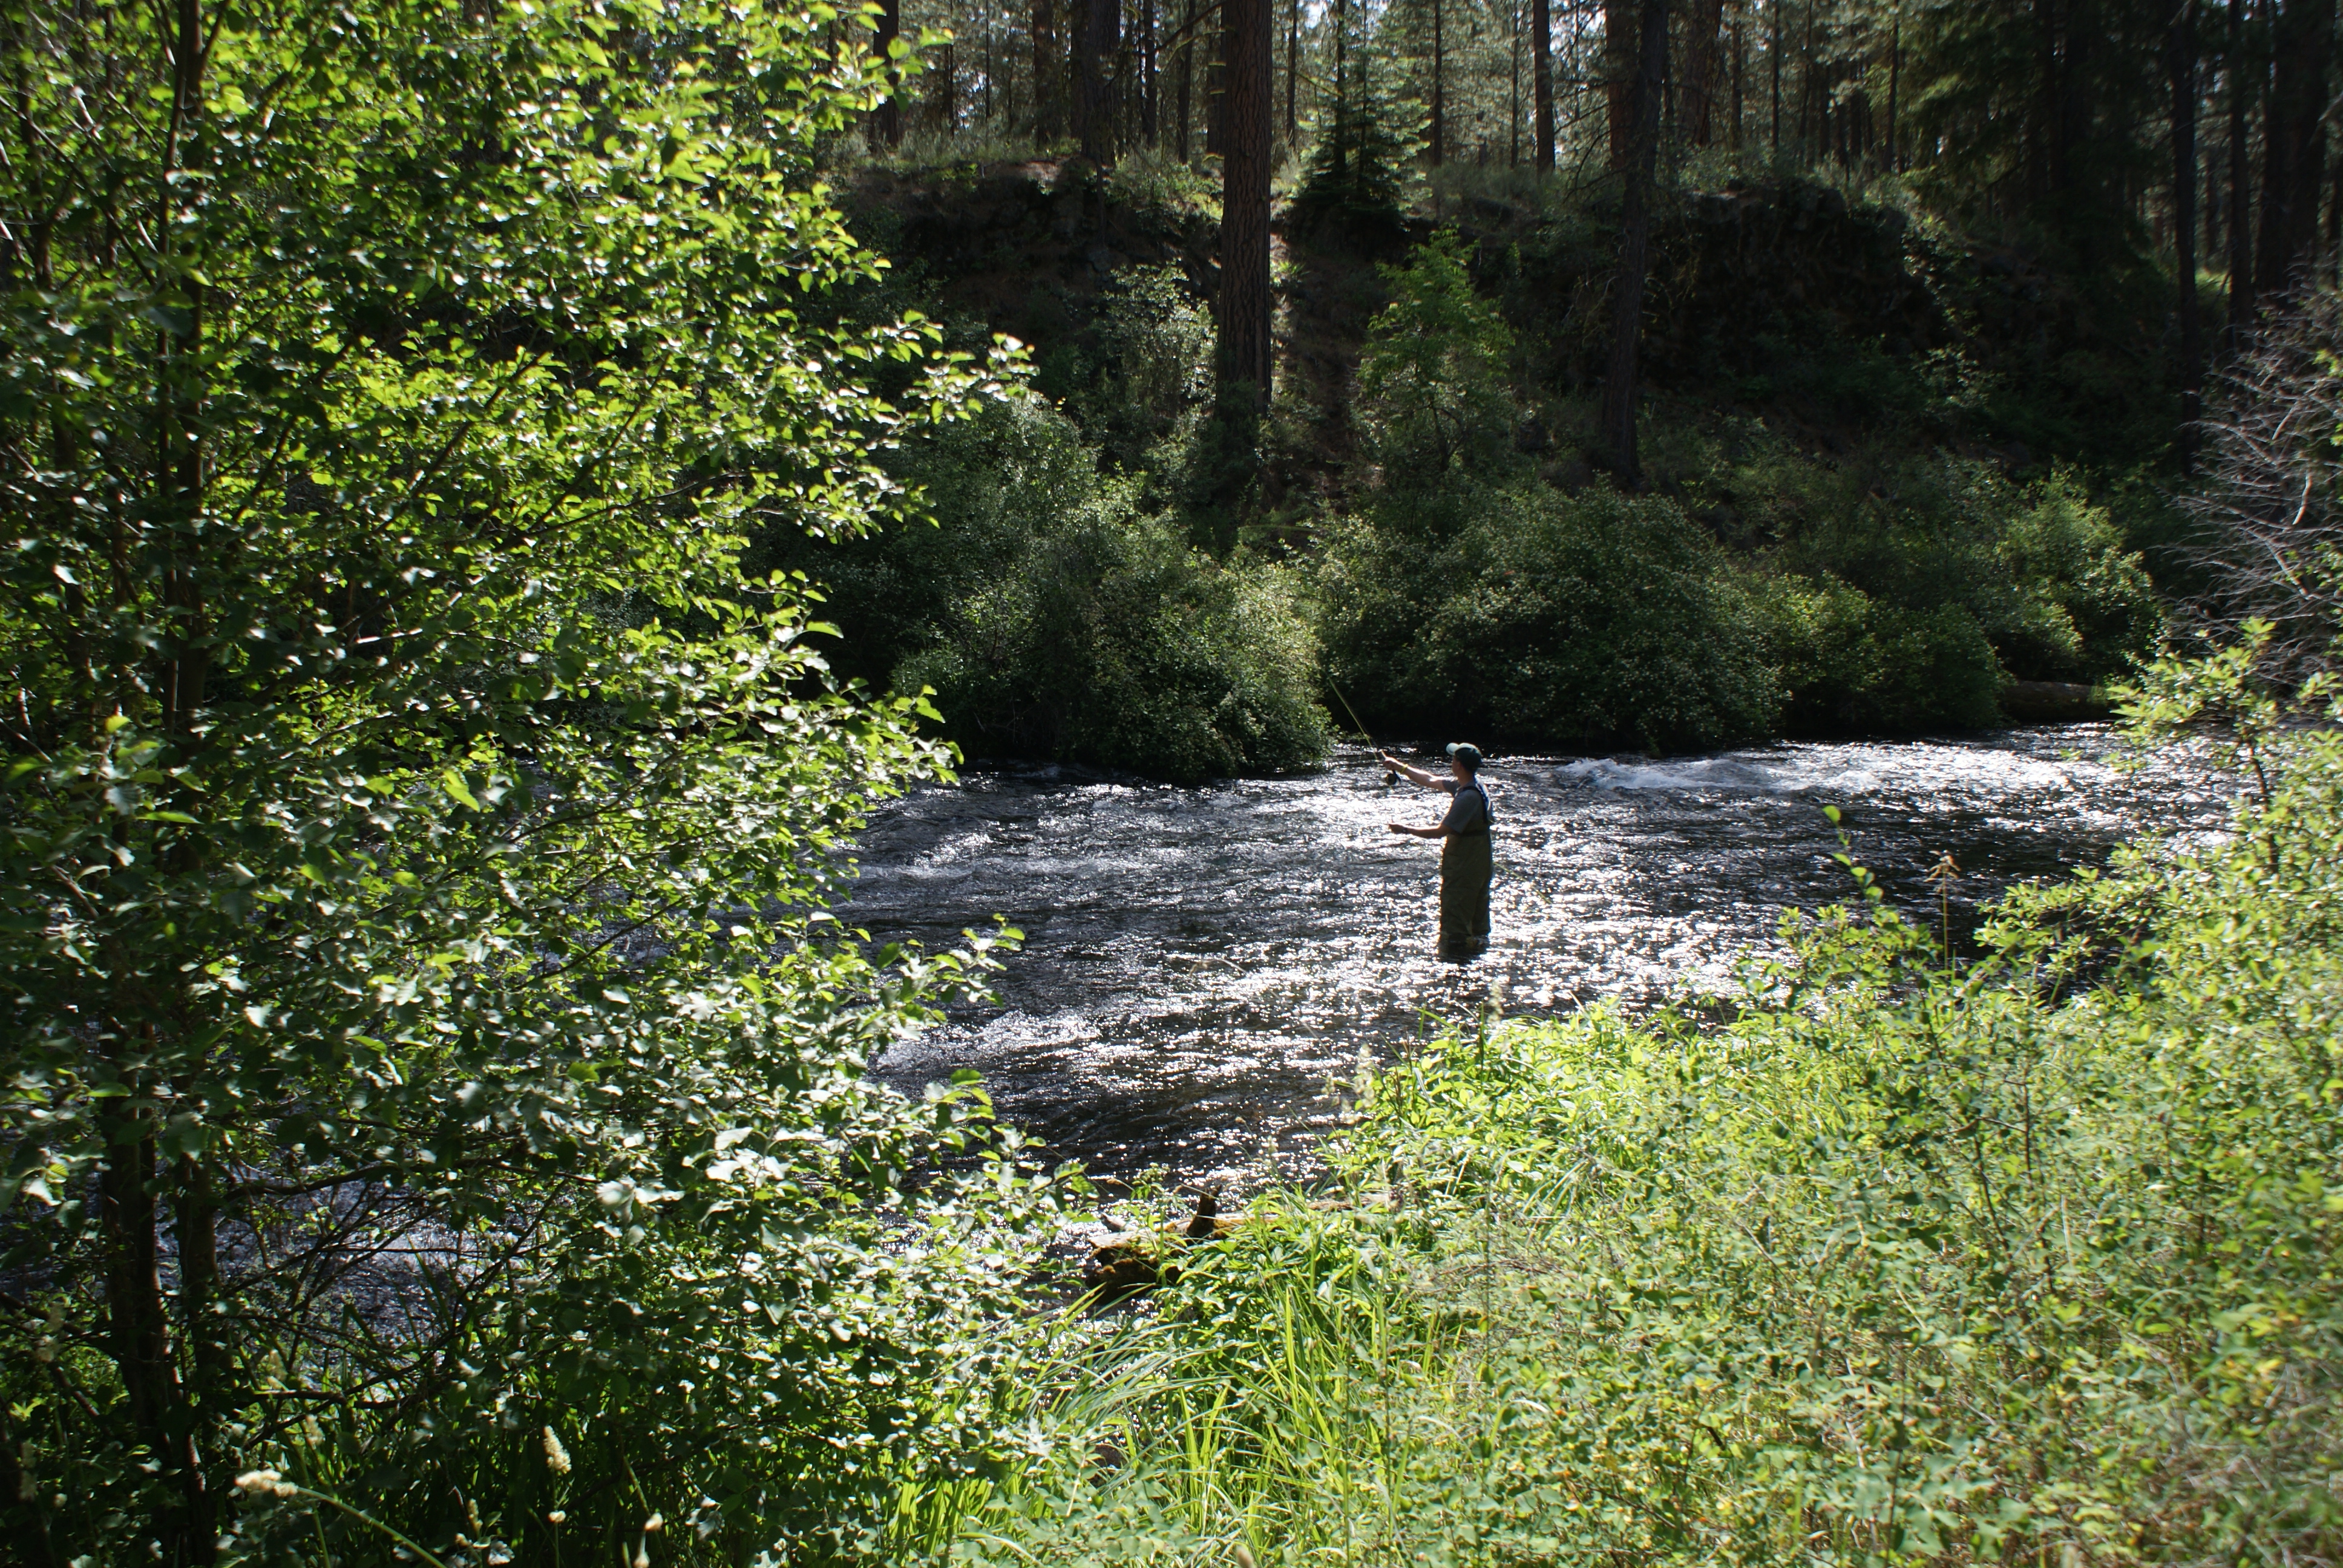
[1907, 586]
[1845, 662]
[1525, 614]
[2090, 596]
[432, 1079]
[1056, 621]
[1433, 393]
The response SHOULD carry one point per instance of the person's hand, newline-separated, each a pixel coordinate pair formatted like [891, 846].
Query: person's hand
[1401, 828]
[1389, 760]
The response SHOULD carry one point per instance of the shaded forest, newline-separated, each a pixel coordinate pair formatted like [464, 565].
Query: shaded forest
[1897, 326]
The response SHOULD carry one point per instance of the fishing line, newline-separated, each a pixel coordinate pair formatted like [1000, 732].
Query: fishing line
[1365, 732]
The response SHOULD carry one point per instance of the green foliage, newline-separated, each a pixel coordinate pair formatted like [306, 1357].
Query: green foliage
[1150, 367]
[1846, 662]
[1055, 621]
[1898, 591]
[1433, 387]
[1522, 612]
[433, 1076]
[1362, 151]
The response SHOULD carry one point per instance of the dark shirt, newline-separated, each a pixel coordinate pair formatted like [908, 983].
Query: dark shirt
[1468, 808]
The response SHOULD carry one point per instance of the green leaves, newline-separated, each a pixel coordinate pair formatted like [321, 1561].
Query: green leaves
[416, 825]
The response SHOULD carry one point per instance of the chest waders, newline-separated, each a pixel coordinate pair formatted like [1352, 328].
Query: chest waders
[1467, 860]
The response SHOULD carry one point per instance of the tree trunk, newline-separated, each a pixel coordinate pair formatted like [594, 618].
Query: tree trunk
[1098, 34]
[1774, 62]
[943, 106]
[1706, 20]
[1293, 71]
[887, 120]
[1149, 122]
[1244, 294]
[1187, 76]
[2184, 224]
[1620, 379]
[2241, 195]
[2294, 143]
[1618, 80]
[1216, 91]
[1341, 117]
[1542, 82]
[1439, 149]
[1894, 85]
[1049, 77]
[1740, 73]
[1513, 84]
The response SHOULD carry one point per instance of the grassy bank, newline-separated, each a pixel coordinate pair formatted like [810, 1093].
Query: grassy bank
[2029, 1260]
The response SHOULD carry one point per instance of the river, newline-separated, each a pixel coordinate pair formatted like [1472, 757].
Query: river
[1198, 963]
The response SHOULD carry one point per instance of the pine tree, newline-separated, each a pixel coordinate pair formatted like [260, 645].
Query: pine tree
[1362, 153]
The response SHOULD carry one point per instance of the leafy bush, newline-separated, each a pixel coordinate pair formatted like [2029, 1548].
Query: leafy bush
[1522, 613]
[1433, 392]
[1054, 620]
[1846, 662]
[1900, 590]
[1148, 365]
[433, 1080]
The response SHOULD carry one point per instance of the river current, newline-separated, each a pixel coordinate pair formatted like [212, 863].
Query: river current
[1199, 962]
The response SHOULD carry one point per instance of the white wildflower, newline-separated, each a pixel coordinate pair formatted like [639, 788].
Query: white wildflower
[654, 1525]
[557, 1458]
[265, 1483]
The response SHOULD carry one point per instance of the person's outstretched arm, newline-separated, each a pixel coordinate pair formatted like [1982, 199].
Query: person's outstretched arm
[1415, 775]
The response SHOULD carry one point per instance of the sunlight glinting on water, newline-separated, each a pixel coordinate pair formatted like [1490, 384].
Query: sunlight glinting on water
[1200, 961]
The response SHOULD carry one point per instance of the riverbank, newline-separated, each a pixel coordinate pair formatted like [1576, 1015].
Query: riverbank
[1915, 1261]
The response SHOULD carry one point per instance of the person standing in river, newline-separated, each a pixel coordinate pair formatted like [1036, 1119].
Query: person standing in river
[1466, 860]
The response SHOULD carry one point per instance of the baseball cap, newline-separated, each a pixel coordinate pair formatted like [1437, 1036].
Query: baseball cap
[1464, 751]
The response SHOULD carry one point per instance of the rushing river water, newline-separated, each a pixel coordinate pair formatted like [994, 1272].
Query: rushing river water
[1200, 961]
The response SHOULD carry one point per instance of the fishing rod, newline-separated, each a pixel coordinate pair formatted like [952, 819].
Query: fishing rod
[1365, 733]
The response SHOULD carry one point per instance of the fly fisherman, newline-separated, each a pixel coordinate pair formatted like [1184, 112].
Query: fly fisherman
[1465, 861]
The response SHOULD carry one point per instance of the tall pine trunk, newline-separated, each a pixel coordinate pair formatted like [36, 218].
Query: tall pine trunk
[1439, 148]
[1049, 73]
[2294, 143]
[1542, 82]
[1180, 93]
[887, 120]
[1216, 90]
[1150, 121]
[1706, 25]
[2241, 195]
[1098, 34]
[2184, 223]
[1293, 70]
[1244, 306]
[1620, 379]
[1618, 80]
